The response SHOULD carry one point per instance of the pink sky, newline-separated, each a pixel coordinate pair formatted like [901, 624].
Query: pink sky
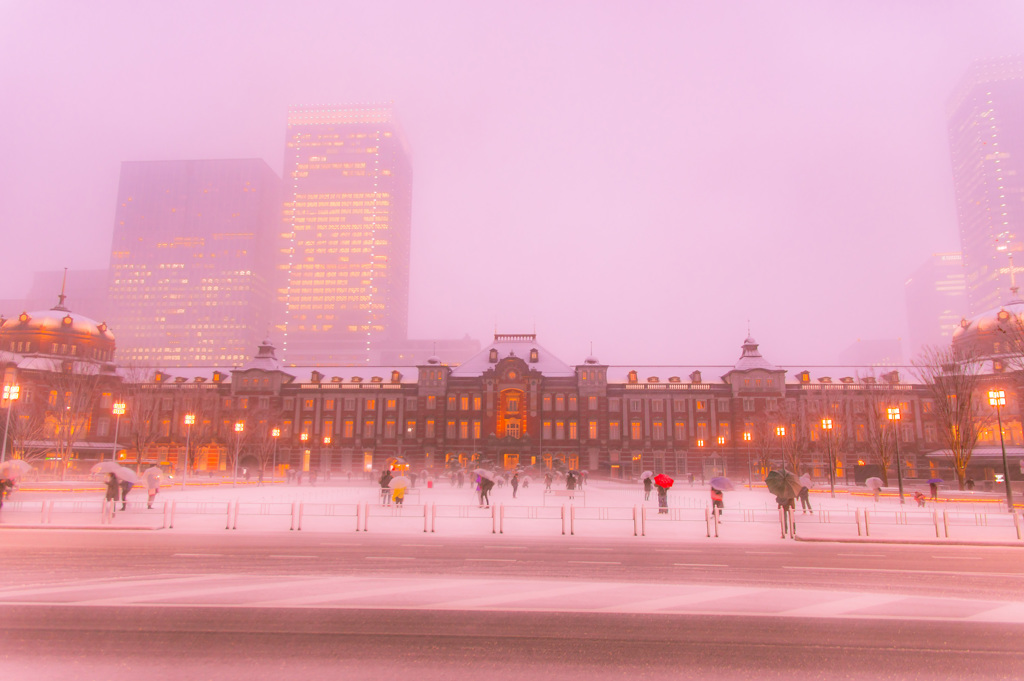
[646, 176]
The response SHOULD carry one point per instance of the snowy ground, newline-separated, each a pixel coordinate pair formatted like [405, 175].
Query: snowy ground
[601, 508]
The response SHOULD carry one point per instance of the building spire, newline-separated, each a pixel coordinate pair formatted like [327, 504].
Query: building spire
[61, 298]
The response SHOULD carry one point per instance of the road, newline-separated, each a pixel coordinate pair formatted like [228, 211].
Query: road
[120, 605]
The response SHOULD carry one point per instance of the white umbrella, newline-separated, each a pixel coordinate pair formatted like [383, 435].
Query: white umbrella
[124, 474]
[873, 483]
[15, 468]
[151, 476]
[106, 467]
[400, 481]
[646, 474]
[805, 480]
[484, 474]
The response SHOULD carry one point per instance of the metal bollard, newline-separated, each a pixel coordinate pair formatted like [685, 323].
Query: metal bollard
[856, 515]
[1016, 522]
[782, 521]
[366, 515]
[234, 525]
[166, 514]
[426, 517]
[945, 522]
[433, 519]
[563, 519]
[636, 521]
[707, 521]
[292, 527]
[359, 514]
[867, 528]
[643, 521]
[302, 507]
[935, 519]
[572, 519]
[501, 525]
[714, 514]
[174, 505]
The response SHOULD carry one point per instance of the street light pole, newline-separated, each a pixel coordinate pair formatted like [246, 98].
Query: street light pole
[997, 398]
[118, 411]
[894, 416]
[190, 419]
[239, 428]
[11, 395]
[274, 433]
[750, 470]
[826, 425]
[780, 431]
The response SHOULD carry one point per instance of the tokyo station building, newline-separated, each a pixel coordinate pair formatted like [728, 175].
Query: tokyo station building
[512, 404]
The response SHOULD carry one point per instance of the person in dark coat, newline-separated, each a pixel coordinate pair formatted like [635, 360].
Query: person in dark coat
[113, 490]
[805, 500]
[662, 499]
[5, 489]
[126, 486]
[717, 501]
[933, 487]
[485, 491]
[515, 485]
[547, 481]
[648, 485]
[385, 487]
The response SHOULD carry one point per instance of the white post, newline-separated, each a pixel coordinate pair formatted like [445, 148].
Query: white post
[359, 514]
[856, 514]
[426, 517]
[945, 523]
[1016, 522]
[636, 521]
[166, 515]
[714, 512]
[501, 526]
[867, 526]
[707, 521]
[643, 521]
[292, 527]
[494, 519]
[563, 519]
[935, 519]
[302, 507]
[782, 521]
[433, 518]
[235, 524]
[572, 519]
[174, 505]
[366, 515]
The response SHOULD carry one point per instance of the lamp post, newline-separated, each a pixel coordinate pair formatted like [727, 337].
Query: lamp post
[750, 469]
[894, 416]
[118, 412]
[826, 425]
[11, 394]
[721, 443]
[274, 433]
[997, 398]
[190, 419]
[780, 432]
[305, 452]
[239, 429]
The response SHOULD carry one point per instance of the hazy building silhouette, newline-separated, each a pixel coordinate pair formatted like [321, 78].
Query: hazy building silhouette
[936, 301]
[191, 265]
[348, 214]
[87, 289]
[986, 133]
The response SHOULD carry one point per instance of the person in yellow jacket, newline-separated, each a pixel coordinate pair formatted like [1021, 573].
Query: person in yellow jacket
[398, 494]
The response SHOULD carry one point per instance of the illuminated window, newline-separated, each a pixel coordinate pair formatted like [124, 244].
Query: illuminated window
[592, 403]
[592, 430]
[636, 430]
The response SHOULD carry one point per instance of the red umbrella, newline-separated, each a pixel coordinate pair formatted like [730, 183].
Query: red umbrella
[662, 480]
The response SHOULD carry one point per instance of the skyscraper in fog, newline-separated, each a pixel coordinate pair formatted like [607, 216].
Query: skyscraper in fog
[986, 133]
[191, 269]
[936, 301]
[348, 214]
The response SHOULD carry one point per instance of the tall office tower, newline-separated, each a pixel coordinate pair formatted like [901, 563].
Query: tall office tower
[986, 134]
[936, 301]
[192, 266]
[348, 218]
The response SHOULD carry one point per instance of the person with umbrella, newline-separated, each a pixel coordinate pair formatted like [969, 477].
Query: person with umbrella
[113, 491]
[648, 486]
[933, 486]
[485, 490]
[126, 486]
[663, 482]
[717, 501]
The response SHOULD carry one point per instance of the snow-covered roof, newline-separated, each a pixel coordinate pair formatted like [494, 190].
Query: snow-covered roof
[514, 345]
[664, 373]
[751, 358]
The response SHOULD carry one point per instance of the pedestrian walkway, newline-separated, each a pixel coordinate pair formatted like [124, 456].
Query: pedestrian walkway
[508, 595]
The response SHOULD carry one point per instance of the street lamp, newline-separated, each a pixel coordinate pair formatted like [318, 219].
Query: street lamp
[997, 398]
[750, 470]
[190, 419]
[239, 429]
[894, 416]
[274, 433]
[118, 412]
[826, 425]
[780, 432]
[11, 395]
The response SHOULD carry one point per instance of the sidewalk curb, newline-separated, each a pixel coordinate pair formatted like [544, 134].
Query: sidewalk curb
[78, 527]
[921, 542]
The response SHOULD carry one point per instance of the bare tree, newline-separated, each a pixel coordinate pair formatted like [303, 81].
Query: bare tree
[74, 389]
[879, 432]
[952, 376]
[142, 410]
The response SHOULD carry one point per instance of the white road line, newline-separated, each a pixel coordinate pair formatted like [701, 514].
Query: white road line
[668, 602]
[196, 555]
[1011, 612]
[584, 548]
[518, 594]
[596, 562]
[861, 555]
[492, 560]
[842, 606]
[389, 558]
[678, 551]
[957, 557]
[215, 590]
[120, 584]
[767, 553]
[486, 546]
[290, 556]
[344, 588]
[958, 573]
[699, 565]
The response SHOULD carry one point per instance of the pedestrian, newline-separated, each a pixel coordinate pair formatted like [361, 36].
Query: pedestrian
[152, 487]
[788, 507]
[583, 478]
[245, 472]
[312, 477]
[570, 484]
[259, 480]
[805, 500]
[5, 489]
[648, 485]
[113, 491]
[691, 479]
[399, 495]
[717, 501]
[662, 499]
[515, 485]
[385, 483]
[934, 487]
[547, 482]
[919, 498]
[485, 491]
[126, 486]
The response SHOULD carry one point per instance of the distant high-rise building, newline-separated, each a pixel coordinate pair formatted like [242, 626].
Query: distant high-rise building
[986, 133]
[191, 268]
[881, 352]
[348, 216]
[87, 290]
[936, 301]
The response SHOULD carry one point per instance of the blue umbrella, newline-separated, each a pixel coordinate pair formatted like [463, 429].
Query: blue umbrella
[935, 481]
[724, 484]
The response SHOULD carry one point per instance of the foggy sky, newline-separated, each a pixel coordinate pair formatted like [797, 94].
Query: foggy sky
[643, 176]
